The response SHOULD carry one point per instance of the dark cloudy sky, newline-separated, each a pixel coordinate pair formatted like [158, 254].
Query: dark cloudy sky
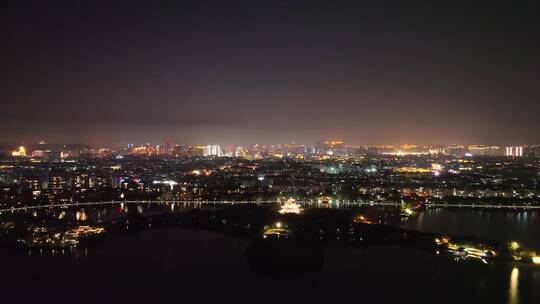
[269, 71]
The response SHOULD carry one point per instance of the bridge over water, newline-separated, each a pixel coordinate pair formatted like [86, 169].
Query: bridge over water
[334, 204]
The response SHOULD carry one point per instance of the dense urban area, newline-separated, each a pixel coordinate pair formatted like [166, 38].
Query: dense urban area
[327, 171]
[290, 203]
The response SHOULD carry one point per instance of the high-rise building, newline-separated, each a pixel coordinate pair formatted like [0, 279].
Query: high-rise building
[455, 150]
[212, 150]
[534, 151]
[188, 151]
[514, 151]
[437, 149]
[481, 150]
[162, 150]
[330, 147]
[240, 152]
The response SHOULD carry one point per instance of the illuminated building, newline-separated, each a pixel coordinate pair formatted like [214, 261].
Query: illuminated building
[406, 150]
[290, 207]
[403, 153]
[361, 219]
[240, 152]
[514, 151]
[57, 181]
[72, 237]
[188, 151]
[31, 182]
[21, 152]
[142, 150]
[162, 150]
[455, 150]
[413, 170]
[212, 150]
[65, 154]
[80, 180]
[436, 167]
[329, 147]
[481, 150]
[147, 149]
[277, 231]
[436, 150]
[38, 153]
[169, 183]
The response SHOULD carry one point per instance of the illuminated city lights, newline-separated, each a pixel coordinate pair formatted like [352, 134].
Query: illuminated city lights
[290, 207]
[280, 151]
[20, 152]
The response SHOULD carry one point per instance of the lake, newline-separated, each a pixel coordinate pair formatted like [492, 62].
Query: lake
[171, 264]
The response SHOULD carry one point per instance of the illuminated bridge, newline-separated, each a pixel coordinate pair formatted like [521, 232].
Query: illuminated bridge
[334, 204]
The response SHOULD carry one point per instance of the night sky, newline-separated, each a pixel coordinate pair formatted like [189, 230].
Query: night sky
[239, 72]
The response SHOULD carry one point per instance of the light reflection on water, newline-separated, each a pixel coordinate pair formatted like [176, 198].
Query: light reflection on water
[513, 289]
[503, 226]
[518, 285]
[500, 225]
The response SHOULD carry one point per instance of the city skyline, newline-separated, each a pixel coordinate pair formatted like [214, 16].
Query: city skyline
[322, 148]
[204, 143]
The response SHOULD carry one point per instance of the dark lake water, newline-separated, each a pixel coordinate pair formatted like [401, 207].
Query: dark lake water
[501, 225]
[167, 264]
[176, 265]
